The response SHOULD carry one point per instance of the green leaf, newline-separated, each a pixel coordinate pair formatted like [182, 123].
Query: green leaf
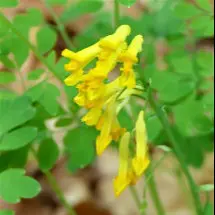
[14, 185]
[208, 104]
[35, 74]
[17, 138]
[154, 127]
[127, 3]
[182, 64]
[206, 188]
[20, 50]
[125, 120]
[6, 61]
[50, 148]
[80, 148]
[185, 113]
[8, 3]
[64, 122]
[7, 77]
[80, 8]
[200, 23]
[46, 39]
[206, 62]
[14, 159]
[7, 212]
[186, 10]
[46, 94]
[7, 94]
[202, 124]
[205, 4]
[56, 2]
[14, 113]
[172, 87]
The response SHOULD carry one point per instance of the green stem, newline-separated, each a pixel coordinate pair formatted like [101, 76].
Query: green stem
[55, 187]
[33, 49]
[60, 26]
[53, 183]
[155, 197]
[116, 13]
[151, 184]
[165, 122]
[135, 196]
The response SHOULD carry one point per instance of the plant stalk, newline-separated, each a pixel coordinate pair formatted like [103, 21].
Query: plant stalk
[116, 13]
[60, 26]
[179, 154]
[55, 187]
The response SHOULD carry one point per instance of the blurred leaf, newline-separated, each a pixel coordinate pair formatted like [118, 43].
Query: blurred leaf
[59, 69]
[14, 113]
[154, 127]
[206, 61]
[35, 74]
[203, 124]
[185, 113]
[127, 3]
[18, 138]
[165, 23]
[208, 104]
[46, 39]
[80, 8]
[172, 87]
[20, 50]
[15, 185]
[6, 94]
[203, 26]
[206, 188]
[14, 159]
[6, 61]
[64, 122]
[209, 209]
[50, 148]
[7, 77]
[186, 10]
[80, 148]
[182, 64]
[7, 212]
[125, 120]
[200, 22]
[205, 4]
[46, 94]
[8, 3]
[56, 2]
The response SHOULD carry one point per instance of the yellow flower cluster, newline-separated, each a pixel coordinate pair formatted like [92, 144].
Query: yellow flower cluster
[104, 99]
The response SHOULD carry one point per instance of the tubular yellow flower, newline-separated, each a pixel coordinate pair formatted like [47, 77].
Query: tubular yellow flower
[123, 180]
[141, 160]
[112, 42]
[105, 127]
[92, 117]
[129, 58]
[78, 61]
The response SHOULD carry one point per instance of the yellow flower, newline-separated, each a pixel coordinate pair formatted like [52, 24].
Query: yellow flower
[112, 42]
[124, 178]
[141, 161]
[78, 61]
[105, 127]
[92, 117]
[129, 58]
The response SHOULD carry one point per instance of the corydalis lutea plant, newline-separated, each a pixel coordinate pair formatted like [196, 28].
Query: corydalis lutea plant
[104, 98]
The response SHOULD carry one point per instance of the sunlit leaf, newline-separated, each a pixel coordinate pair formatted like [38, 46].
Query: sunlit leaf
[14, 185]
